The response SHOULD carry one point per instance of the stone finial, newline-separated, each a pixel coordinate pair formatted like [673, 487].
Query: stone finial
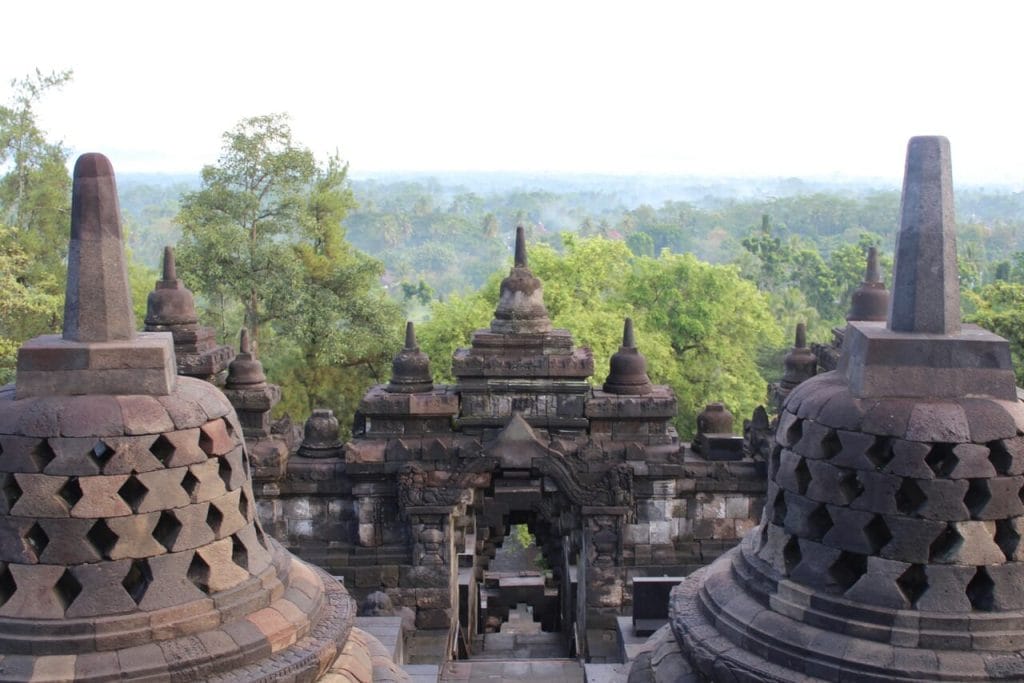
[320, 435]
[99, 351]
[410, 370]
[170, 303]
[628, 371]
[521, 307]
[926, 290]
[98, 303]
[800, 362]
[870, 301]
[245, 371]
[628, 338]
[520, 253]
[170, 272]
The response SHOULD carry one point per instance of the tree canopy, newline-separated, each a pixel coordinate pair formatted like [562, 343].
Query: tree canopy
[700, 325]
[263, 245]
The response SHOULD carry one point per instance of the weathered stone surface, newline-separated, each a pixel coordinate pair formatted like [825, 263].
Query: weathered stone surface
[926, 287]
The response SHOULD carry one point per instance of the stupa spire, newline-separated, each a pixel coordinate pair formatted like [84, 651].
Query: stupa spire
[521, 307]
[97, 303]
[926, 289]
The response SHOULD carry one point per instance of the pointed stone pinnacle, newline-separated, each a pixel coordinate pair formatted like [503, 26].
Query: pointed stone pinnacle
[925, 286]
[801, 336]
[97, 304]
[243, 341]
[170, 272]
[871, 273]
[410, 337]
[520, 261]
[628, 339]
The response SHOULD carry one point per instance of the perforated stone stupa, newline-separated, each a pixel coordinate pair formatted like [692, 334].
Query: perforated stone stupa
[890, 544]
[129, 544]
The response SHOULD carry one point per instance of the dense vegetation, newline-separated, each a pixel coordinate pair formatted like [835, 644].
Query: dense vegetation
[320, 266]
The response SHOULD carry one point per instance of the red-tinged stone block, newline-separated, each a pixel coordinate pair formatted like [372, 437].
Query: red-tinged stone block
[278, 631]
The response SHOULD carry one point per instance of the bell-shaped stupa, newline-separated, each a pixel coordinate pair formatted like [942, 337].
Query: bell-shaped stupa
[890, 547]
[129, 543]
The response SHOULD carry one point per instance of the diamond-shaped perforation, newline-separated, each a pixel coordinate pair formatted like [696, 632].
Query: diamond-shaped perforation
[167, 529]
[68, 588]
[224, 470]
[795, 431]
[7, 584]
[945, 545]
[228, 427]
[261, 537]
[909, 497]
[774, 460]
[214, 519]
[102, 538]
[243, 505]
[239, 553]
[71, 492]
[880, 452]
[941, 459]
[877, 533]
[981, 591]
[779, 508]
[802, 474]
[913, 582]
[133, 492]
[43, 455]
[830, 444]
[978, 496]
[847, 569]
[850, 486]
[1000, 458]
[137, 580]
[100, 453]
[162, 449]
[819, 522]
[1007, 538]
[37, 540]
[10, 490]
[199, 573]
[791, 554]
[190, 483]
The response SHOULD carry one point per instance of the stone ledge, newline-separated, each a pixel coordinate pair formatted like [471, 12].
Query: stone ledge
[879, 362]
[52, 366]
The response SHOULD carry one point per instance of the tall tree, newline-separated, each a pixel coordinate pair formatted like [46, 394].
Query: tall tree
[263, 236]
[35, 202]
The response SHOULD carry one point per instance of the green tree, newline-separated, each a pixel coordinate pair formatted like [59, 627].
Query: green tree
[999, 307]
[35, 202]
[700, 325]
[263, 236]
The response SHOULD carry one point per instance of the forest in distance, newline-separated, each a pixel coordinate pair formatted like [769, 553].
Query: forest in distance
[324, 268]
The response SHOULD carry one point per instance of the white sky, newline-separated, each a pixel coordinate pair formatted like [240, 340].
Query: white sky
[738, 88]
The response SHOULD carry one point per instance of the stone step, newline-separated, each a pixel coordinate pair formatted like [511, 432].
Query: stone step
[493, 671]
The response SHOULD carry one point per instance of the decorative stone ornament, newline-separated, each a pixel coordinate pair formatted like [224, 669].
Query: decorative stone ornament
[171, 307]
[320, 436]
[521, 303]
[410, 370]
[628, 367]
[890, 544]
[870, 301]
[800, 362]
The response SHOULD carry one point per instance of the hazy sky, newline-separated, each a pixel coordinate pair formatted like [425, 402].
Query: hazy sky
[739, 88]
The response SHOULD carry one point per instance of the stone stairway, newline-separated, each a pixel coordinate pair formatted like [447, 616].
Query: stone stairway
[496, 670]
